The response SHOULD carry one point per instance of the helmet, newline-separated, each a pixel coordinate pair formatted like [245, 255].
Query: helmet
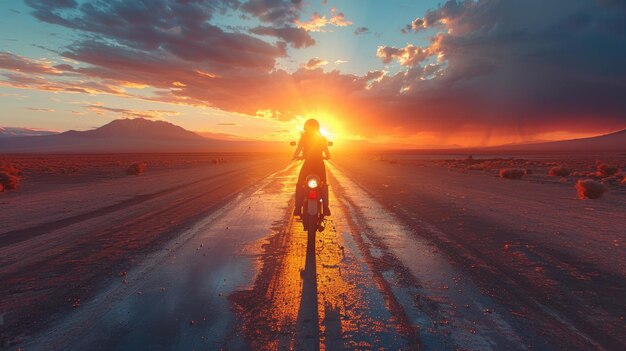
[312, 126]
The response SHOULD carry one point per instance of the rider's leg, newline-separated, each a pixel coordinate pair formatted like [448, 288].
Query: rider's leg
[324, 189]
[326, 210]
[299, 192]
[299, 199]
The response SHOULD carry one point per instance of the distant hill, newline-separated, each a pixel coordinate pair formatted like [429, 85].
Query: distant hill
[609, 142]
[10, 132]
[141, 128]
[128, 136]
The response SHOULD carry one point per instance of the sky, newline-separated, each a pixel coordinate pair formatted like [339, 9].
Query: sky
[425, 73]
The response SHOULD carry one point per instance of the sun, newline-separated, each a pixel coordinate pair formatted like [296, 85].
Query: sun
[330, 125]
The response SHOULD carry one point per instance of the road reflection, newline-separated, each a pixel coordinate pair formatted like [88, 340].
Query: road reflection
[316, 293]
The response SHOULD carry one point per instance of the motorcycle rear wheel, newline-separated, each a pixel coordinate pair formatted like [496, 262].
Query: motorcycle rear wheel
[311, 226]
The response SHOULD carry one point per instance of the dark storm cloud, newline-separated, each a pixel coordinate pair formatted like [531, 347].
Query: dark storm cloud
[181, 28]
[526, 64]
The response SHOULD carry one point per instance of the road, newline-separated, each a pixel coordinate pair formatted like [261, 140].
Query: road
[244, 278]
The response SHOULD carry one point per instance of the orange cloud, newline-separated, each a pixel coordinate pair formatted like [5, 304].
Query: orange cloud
[318, 23]
[314, 63]
[22, 64]
[407, 56]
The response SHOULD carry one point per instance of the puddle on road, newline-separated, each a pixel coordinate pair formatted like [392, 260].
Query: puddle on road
[445, 304]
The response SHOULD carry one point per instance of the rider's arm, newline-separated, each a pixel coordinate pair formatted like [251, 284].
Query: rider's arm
[298, 149]
[326, 152]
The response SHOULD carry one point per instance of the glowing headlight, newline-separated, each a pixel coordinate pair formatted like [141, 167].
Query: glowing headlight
[312, 183]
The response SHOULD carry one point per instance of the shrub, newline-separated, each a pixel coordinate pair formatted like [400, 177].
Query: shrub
[512, 173]
[590, 189]
[9, 177]
[605, 171]
[559, 171]
[136, 168]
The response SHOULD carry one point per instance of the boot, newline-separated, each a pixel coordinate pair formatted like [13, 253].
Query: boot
[326, 209]
[299, 198]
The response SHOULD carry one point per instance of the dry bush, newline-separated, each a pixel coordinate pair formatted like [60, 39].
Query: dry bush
[136, 168]
[559, 171]
[605, 171]
[512, 173]
[9, 177]
[590, 189]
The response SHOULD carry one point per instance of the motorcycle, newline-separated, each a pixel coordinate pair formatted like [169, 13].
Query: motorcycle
[315, 193]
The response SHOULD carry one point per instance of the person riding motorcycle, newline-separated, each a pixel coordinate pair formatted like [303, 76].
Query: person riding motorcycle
[314, 148]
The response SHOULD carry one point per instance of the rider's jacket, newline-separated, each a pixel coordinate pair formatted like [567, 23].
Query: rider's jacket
[313, 146]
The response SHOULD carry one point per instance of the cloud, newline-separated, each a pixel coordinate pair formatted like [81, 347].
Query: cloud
[361, 30]
[12, 62]
[297, 37]
[314, 63]
[415, 25]
[490, 68]
[128, 113]
[318, 23]
[407, 56]
[450, 10]
[338, 19]
[275, 11]
[227, 124]
[19, 80]
[165, 27]
[39, 109]
[512, 69]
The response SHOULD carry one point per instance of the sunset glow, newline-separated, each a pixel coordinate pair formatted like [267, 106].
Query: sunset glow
[418, 74]
[312, 175]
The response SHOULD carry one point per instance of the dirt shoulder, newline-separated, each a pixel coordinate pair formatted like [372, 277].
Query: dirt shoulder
[554, 259]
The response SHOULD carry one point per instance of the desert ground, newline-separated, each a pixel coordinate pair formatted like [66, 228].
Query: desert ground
[200, 251]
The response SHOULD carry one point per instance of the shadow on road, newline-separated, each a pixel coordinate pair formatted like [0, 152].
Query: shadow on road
[307, 330]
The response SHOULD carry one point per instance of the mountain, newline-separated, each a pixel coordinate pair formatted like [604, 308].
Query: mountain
[9, 132]
[609, 142]
[141, 128]
[128, 136]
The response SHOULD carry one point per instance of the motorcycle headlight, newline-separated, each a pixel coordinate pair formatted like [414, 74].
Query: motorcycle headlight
[312, 183]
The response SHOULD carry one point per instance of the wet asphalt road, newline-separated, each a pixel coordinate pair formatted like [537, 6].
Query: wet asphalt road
[246, 278]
